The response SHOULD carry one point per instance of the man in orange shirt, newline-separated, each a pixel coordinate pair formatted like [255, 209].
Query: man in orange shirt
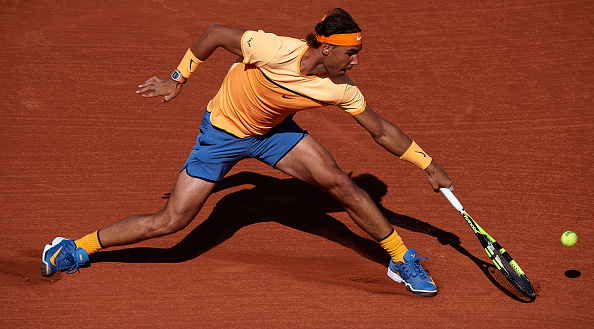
[251, 117]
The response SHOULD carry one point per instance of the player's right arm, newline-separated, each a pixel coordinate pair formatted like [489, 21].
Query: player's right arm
[213, 37]
[395, 141]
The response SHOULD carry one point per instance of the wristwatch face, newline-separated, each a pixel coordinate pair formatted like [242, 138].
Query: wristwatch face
[175, 75]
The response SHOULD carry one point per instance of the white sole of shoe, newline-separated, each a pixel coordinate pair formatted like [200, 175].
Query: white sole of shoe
[394, 276]
[45, 266]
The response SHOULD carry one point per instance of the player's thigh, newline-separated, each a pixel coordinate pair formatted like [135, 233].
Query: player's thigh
[186, 199]
[309, 161]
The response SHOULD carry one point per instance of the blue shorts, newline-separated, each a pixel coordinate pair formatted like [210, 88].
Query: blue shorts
[217, 151]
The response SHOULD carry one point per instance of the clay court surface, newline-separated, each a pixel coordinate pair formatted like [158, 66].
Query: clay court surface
[498, 92]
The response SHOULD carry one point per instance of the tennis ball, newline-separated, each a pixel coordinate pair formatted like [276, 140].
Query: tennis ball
[569, 239]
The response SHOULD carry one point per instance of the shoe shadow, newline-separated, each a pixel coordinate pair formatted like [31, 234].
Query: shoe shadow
[295, 204]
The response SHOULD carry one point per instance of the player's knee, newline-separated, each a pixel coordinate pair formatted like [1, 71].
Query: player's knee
[345, 190]
[164, 224]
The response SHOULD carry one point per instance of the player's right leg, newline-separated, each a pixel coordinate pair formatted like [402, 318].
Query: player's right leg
[186, 200]
[309, 161]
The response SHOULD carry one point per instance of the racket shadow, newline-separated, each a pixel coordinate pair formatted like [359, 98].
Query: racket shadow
[377, 189]
[495, 276]
[447, 238]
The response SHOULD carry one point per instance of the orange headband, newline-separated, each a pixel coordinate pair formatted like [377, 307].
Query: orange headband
[348, 39]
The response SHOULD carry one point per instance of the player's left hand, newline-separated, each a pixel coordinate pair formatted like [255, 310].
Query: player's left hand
[155, 87]
[438, 178]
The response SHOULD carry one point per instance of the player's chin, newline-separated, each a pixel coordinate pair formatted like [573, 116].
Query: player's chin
[344, 71]
[340, 73]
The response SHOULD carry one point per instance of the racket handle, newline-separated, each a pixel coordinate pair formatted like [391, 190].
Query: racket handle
[453, 200]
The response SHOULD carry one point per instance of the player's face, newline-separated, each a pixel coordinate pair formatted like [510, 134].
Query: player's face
[340, 59]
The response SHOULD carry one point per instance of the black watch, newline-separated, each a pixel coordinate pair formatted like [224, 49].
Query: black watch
[178, 77]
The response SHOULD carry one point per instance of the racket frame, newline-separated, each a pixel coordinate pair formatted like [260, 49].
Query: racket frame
[494, 250]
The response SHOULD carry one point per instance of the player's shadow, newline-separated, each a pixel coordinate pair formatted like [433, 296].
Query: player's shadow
[294, 204]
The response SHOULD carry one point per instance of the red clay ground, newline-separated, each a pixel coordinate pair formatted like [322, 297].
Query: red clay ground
[500, 93]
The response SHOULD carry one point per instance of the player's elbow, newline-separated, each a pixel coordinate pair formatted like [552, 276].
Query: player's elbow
[212, 31]
[214, 28]
[381, 138]
[216, 36]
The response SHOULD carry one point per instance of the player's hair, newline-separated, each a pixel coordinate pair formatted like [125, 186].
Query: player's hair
[337, 21]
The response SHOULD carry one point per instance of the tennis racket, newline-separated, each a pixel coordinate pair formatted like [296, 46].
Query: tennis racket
[501, 258]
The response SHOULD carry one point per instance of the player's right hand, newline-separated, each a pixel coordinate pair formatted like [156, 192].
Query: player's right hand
[155, 87]
[438, 178]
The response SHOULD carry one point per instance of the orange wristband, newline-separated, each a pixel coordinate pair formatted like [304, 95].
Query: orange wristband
[188, 64]
[417, 156]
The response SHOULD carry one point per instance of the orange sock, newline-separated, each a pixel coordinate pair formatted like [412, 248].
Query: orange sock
[394, 246]
[90, 243]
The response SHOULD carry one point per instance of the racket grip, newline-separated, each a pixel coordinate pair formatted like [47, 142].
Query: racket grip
[453, 200]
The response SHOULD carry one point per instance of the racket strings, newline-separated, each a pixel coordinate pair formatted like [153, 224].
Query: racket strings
[518, 280]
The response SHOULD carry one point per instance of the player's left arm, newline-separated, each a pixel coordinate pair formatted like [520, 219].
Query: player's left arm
[215, 36]
[395, 141]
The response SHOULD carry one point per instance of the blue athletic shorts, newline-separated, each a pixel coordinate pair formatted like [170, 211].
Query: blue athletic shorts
[217, 151]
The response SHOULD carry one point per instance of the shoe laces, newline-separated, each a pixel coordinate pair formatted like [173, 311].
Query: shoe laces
[66, 260]
[414, 268]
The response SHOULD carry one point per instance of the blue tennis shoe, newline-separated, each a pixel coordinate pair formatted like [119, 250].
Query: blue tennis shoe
[62, 255]
[412, 274]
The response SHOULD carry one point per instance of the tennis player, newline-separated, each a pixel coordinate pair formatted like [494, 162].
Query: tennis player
[252, 117]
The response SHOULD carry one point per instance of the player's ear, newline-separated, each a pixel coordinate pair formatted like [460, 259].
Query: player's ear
[325, 48]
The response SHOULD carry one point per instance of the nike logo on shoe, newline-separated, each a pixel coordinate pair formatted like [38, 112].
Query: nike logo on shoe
[53, 258]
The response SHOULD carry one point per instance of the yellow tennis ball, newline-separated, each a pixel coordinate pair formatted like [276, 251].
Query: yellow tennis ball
[569, 239]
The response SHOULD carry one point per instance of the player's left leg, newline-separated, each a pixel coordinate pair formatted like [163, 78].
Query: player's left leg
[184, 203]
[311, 162]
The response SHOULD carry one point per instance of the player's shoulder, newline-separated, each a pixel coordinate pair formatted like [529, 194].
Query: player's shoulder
[261, 36]
[262, 48]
